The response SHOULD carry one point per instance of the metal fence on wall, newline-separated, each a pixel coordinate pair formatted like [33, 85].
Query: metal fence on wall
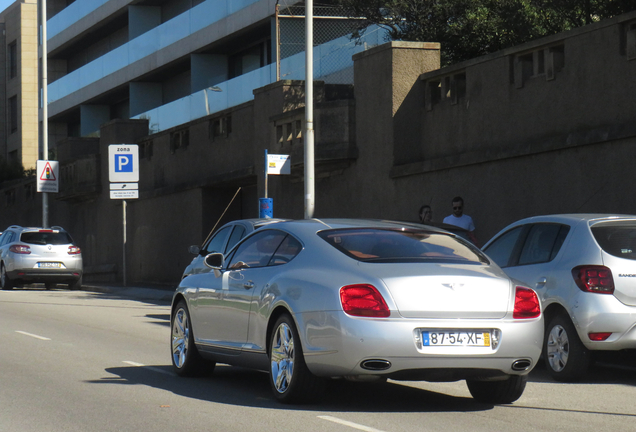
[332, 29]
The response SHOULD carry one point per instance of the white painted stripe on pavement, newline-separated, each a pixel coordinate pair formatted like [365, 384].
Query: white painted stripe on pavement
[32, 335]
[350, 424]
[152, 368]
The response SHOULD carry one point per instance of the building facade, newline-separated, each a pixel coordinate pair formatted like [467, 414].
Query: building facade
[19, 84]
[545, 127]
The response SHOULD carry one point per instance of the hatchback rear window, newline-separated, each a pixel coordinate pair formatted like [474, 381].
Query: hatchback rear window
[45, 237]
[617, 238]
[383, 245]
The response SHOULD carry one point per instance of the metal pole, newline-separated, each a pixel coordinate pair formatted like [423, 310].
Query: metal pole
[309, 110]
[45, 114]
[207, 103]
[266, 168]
[277, 46]
[124, 251]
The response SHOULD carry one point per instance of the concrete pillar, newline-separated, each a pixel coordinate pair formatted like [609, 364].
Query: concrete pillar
[141, 19]
[389, 96]
[92, 117]
[144, 96]
[207, 70]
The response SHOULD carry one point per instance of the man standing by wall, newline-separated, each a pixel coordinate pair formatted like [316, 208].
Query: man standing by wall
[458, 218]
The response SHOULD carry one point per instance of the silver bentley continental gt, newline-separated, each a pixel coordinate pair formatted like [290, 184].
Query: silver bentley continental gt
[312, 300]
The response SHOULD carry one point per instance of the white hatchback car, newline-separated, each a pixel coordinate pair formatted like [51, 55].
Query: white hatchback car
[39, 255]
[583, 266]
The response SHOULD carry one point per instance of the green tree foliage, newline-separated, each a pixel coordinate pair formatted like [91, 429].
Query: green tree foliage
[11, 171]
[470, 28]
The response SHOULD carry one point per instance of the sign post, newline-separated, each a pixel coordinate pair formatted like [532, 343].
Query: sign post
[275, 164]
[48, 181]
[123, 173]
[48, 176]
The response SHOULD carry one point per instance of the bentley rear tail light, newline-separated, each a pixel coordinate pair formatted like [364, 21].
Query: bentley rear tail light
[594, 278]
[363, 300]
[20, 249]
[526, 304]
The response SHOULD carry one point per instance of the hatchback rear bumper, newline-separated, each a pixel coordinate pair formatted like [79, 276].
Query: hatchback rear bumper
[44, 276]
[600, 313]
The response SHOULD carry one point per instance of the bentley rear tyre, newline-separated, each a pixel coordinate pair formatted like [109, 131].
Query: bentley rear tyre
[290, 379]
[498, 392]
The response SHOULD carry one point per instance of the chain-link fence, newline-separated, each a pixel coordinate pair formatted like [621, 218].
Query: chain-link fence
[333, 44]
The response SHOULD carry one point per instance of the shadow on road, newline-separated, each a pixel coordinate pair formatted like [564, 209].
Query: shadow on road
[244, 387]
[607, 368]
[159, 319]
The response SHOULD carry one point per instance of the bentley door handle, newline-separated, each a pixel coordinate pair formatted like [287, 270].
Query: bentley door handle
[248, 285]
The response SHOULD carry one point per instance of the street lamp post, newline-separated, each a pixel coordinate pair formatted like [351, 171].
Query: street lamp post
[309, 110]
[45, 114]
[205, 92]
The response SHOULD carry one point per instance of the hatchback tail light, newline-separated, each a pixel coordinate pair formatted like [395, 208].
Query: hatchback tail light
[594, 279]
[363, 300]
[74, 250]
[20, 249]
[526, 304]
[599, 337]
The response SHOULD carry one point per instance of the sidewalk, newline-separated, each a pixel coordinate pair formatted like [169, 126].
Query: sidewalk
[156, 294]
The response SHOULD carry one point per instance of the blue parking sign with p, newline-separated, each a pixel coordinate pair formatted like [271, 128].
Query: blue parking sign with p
[123, 163]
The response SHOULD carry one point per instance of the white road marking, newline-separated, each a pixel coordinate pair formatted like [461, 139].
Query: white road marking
[350, 424]
[32, 335]
[152, 368]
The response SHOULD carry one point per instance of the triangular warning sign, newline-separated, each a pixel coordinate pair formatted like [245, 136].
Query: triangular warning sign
[47, 173]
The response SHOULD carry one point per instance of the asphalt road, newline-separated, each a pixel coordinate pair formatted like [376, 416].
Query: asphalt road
[100, 361]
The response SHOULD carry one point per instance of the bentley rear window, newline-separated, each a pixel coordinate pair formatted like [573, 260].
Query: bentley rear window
[385, 245]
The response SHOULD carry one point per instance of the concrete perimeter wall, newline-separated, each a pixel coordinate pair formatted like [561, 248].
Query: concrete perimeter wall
[546, 127]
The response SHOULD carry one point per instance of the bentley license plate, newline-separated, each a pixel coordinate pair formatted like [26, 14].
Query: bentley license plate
[456, 338]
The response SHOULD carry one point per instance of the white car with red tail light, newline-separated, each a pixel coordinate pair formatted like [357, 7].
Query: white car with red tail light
[39, 255]
[311, 300]
[583, 266]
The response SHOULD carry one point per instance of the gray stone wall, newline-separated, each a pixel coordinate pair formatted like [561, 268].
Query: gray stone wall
[546, 127]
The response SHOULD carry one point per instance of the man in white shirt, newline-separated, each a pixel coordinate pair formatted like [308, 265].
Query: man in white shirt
[458, 218]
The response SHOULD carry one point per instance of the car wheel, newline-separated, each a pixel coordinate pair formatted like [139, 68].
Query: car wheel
[566, 357]
[186, 359]
[498, 392]
[5, 281]
[77, 285]
[50, 285]
[290, 379]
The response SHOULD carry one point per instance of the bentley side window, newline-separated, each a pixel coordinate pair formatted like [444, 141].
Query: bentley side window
[257, 250]
[237, 234]
[288, 249]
